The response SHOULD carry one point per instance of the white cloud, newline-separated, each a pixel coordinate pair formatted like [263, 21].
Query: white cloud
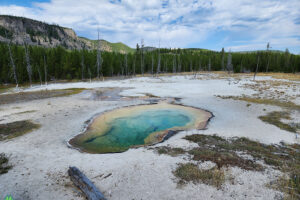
[175, 22]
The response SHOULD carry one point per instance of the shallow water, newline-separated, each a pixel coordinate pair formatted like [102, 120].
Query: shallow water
[132, 130]
[118, 130]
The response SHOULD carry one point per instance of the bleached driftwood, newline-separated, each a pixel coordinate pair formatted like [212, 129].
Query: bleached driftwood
[84, 184]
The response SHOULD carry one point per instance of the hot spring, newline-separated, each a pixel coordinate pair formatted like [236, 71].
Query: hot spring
[121, 129]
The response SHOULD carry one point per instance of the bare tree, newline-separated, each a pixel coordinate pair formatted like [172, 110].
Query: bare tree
[142, 56]
[196, 72]
[223, 59]
[111, 71]
[40, 75]
[45, 70]
[158, 63]
[209, 64]
[152, 64]
[229, 62]
[287, 58]
[99, 60]
[121, 67]
[82, 64]
[133, 65]
[174, 63]
[12, 61]
[242, 68]
[126, 65]
[28, 67]
[165, 61]
[268, 54]
[90, 74]
[199, 69]
[179, 64]
[257, 63]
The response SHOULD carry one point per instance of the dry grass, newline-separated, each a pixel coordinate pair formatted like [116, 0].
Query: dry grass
[26, 112]
[43, 94]
[15, 129]
[151, 95]
[224, 159]
[5, 88]
[170, 151]
[223, 152]
[275, 118]
[287, 185]
[4, 166]
[287, 76]
[273, 102]
[190, 172]
[285, 158]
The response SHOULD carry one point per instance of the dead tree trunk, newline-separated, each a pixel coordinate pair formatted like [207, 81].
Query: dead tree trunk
[126, 66]
[84, 184]
[223, 59]
[152, 64]
[133, 65]
[121, 68]
[99, 61]
[90, 74]
[179, 64]
[40, 75]
[82, 65]
[199, 69]
[112, 71]
[174, 63]
[28, 67]
[268, 54]
[209, 64]
[256, 67]
[142, 57]
[12, 62]
[45, 70]
[158, 63]
[229, 63]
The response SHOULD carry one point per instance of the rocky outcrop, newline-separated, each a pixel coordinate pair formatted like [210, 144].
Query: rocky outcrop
[20, 30]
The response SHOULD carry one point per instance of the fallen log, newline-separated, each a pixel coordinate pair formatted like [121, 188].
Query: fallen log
[84, 184]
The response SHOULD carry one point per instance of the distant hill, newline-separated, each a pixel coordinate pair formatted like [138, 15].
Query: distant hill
[254, 51]
[33, 32]
[108, 46]
[147, 49]
[199, 49]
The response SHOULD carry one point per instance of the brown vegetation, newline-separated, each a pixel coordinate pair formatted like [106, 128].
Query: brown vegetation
[275, 118]
[43, 94]
[190, 172]
[4, 166]
[223, 152]
[15, 129]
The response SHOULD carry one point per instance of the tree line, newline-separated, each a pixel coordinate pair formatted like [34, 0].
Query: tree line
[23, 64]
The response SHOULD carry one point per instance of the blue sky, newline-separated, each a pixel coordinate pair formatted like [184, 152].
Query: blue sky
[20, 2]
[236, 25]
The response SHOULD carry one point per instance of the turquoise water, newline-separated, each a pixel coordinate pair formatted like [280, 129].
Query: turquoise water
[132, 130]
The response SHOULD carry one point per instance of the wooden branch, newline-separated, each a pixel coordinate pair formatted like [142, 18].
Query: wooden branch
[84, 184]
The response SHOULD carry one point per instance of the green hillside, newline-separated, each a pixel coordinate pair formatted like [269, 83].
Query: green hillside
[109, 46]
